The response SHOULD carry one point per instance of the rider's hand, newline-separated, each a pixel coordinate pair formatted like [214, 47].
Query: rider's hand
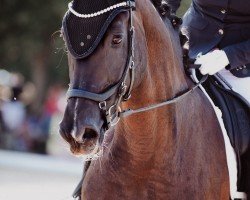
[212, 62]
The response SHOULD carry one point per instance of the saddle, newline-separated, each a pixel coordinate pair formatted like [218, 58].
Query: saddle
[236, 117]
[235, 111]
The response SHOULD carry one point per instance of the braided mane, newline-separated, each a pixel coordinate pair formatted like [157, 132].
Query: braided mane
[162, 7]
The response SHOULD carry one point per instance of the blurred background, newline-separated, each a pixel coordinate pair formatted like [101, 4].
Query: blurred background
[34, 161]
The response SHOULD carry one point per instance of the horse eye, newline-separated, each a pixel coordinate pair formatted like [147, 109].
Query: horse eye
[117, 39]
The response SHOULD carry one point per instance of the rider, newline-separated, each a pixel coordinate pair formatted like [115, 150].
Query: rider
[219, 39]
[219, 31]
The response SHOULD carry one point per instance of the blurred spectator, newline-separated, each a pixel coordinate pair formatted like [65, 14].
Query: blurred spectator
[2, 125]
[13, 112]
[13, 118]
[13, 135]
[39, 126]
[22, 129]
[38, 132]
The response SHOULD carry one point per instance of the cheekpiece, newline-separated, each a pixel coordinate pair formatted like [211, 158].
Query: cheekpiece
[86, 22]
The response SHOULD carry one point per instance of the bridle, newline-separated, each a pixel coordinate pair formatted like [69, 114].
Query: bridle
[123, 92]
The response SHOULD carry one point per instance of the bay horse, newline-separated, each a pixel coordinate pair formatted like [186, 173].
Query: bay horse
[172, 152]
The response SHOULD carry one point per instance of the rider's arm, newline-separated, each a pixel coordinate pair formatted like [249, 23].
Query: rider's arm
[238, 54]
[174, 5]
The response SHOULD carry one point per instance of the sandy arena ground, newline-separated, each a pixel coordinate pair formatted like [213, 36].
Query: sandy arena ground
[33, 177]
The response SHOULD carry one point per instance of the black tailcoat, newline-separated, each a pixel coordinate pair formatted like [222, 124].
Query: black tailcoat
[223, 24]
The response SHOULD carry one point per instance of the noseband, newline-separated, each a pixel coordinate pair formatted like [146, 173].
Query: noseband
[122, 91]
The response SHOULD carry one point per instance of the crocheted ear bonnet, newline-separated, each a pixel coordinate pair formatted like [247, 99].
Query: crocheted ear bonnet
[86, 22]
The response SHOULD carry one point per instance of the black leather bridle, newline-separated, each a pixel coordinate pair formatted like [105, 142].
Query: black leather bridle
[123, 92]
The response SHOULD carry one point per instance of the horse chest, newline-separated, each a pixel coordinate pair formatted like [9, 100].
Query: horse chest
[106, 184]
[117, 189]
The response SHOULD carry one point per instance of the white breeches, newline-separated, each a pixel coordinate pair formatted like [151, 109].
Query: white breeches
[239, 85]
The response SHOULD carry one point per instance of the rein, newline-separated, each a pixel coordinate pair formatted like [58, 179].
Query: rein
[114, 113]
[128, 112]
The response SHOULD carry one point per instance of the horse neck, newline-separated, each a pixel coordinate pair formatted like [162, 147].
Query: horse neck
[139, 136]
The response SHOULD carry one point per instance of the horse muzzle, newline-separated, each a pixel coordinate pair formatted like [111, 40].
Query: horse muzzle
[82, 127]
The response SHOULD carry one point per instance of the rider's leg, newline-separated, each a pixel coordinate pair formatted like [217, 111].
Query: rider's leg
[242, 87]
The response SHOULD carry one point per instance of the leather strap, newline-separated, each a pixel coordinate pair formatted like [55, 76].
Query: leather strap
[92, 96]
[128, 112]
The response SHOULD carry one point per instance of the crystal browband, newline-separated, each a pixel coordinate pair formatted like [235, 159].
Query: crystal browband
[127, 3]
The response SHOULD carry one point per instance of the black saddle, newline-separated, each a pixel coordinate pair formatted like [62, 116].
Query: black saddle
[236, 116]
[236, 113]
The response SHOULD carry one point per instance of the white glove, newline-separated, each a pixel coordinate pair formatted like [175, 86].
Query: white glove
[212, 62]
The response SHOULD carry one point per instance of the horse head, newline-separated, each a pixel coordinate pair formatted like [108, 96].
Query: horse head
[101, 78]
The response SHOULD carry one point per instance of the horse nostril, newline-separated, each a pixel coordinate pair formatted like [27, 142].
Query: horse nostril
[90, 134]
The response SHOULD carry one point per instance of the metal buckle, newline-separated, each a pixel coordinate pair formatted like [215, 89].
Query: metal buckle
[127, 97]
[103, 105]
[123, 89]
[132, 65]
[110, 110]
[114, 121]
[131, 4]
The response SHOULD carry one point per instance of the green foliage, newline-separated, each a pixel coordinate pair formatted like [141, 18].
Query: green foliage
[26, 33]
[184, 6]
